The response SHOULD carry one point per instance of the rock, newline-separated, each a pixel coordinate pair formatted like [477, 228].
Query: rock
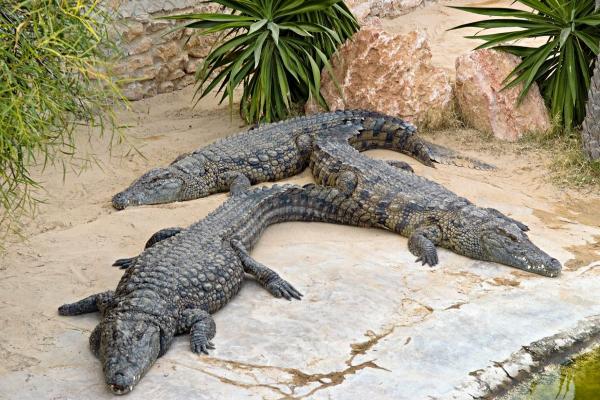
[158, 25]
[178, 73]
[178, 62]
[389, 73]
[184, 82]
[166, 51]
[486, 107]
[131, 64]
[133, 91]
[140, 46]
[166, 87]
[199, 46]
[133, 30]
[193, 65]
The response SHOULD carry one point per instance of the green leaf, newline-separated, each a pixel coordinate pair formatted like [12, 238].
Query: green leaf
[257, 25]
[258, 48]
[275, 31]
[564, 35]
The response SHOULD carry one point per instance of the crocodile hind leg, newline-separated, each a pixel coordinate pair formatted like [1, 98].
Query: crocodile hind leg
[124, 263]
[422, 244]
[268, 278]
[202, 328]
[93, 303]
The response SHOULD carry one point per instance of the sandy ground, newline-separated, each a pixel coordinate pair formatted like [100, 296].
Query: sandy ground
[371, 322]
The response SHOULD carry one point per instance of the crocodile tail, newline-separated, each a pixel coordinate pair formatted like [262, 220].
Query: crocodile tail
[380, 131]
[444, 155]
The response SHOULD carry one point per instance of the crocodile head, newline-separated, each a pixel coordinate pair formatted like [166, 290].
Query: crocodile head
[499, 240]
[160, 185]
[128, 348]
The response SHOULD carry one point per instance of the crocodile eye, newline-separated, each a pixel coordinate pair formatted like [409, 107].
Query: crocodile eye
[507, 233]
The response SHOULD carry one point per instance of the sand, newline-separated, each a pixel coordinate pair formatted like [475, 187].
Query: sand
[372, 321]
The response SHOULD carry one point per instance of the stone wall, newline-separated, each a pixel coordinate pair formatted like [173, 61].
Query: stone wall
[364, 10]
[158, 60]
[155, 58]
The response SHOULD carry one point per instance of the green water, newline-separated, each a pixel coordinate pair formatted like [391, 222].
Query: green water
[577, 380]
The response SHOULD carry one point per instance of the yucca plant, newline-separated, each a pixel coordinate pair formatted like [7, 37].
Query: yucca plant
[562, 65]
[52, 53]
[275, 49]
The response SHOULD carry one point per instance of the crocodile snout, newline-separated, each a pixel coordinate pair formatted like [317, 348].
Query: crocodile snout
[120, 201]
[121, 383]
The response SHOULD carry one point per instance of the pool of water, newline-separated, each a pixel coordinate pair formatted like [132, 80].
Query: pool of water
[576, 380]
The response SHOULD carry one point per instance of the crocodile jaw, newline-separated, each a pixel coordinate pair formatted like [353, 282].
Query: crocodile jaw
[507, 244]
[128, 348]
[157, 186]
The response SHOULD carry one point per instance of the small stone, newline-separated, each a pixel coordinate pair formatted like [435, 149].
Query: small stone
[199, 46]
[166, 87]
[193, 65]
[178, 62]
[140, 46]
[158, 25]
[134, 29]
[133, 91]
[130, 64]
[162, 74]
[184, 82]
[176, 75]
[166, 51]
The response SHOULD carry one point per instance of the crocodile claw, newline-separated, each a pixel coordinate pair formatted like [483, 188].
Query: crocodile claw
[281, 288]
[124, 263]
[428, 259]
[202, 345]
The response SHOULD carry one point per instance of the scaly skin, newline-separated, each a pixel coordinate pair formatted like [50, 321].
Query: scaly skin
[184, 275]
[425, 212]
[273, 152]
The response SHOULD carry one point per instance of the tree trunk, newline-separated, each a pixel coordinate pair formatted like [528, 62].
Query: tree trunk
[590, 134]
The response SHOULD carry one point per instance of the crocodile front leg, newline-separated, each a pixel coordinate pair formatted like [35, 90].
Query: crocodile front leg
[93, 303]
[124, 263]
[422, 244]
[202, 328]
[268, 278]
[237, 182]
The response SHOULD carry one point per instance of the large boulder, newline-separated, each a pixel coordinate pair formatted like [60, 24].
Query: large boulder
[485, 106]
[389, 73]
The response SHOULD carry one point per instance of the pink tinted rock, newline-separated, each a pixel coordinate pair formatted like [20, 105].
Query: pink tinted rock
[389, 73]
[485, 106]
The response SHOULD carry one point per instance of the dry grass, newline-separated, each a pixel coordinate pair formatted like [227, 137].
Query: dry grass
[569, 166]
[560, 150]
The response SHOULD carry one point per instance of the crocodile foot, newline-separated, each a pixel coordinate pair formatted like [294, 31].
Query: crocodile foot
[281, 288]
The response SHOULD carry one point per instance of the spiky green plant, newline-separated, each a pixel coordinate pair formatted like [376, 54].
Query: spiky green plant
[52, 53]
[562, 65]
[275, 49]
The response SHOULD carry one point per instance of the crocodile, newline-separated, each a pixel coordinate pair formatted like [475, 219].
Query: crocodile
[185, 275]
[275, 151]
[424, 211]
